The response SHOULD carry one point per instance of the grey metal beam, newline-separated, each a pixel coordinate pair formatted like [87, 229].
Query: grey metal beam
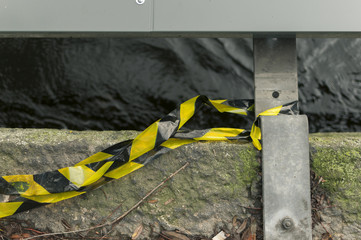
[114, 34]
[257, 16]
[49, 16]
[275, 72]
[179, 18]
[286, 178]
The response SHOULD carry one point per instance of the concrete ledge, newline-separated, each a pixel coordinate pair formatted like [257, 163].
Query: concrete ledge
[221, 180]
[337, 158]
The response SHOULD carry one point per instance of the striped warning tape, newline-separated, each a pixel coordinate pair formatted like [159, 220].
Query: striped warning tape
[288, 109]
[29, 191]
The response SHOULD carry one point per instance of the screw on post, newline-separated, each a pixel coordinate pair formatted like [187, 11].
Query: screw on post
[140, 1]
[275, 94]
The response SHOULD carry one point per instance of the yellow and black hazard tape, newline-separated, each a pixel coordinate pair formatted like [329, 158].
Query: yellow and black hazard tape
[288, 109]
[29, 191]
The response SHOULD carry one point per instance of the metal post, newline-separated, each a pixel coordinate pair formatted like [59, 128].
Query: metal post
[285, 153]
[275, 69]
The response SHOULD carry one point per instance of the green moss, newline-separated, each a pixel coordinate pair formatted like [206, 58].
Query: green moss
[226, 178]
[341, 169]
[245, 169]
[250, 167]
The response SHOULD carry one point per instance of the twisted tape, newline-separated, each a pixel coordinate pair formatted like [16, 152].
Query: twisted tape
[25, 192]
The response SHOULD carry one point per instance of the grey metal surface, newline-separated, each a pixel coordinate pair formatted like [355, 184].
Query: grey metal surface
[75, 16]
[275, 72]
[286, 178]
[127, 34]
[178, 18]
[257, 16]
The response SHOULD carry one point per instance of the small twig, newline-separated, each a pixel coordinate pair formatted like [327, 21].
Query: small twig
[148, 194]
[164, 236]
[120, 217]
[111, 214]
[104, 194]
[107, 217]
[33, 230]
[329, 234]
[252, 208]
[106, 235]
[77, 238]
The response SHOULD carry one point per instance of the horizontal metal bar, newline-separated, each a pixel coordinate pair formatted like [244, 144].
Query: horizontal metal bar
[122, 35]
[179, 18]
[172, 35]
[257, 16]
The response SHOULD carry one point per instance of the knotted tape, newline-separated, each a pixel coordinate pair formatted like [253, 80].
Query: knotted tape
[25, 192]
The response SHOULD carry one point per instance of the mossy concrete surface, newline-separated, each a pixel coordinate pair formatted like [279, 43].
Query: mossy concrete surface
[222, 179]
[206, 195]
[336, 157]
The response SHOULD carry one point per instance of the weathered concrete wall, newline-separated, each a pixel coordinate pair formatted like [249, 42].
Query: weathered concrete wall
[337, 158]
[221, 180]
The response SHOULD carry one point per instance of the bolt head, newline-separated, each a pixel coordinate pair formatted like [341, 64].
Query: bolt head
[140, 1]
[287, 223]
[275, 94]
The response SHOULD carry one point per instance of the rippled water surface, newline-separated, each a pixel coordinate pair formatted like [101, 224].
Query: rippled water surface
[124, 83]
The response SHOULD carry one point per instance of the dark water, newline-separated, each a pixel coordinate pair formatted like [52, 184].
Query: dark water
[119, 84]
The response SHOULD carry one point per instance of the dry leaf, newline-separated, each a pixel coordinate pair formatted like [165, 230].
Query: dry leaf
[137, 232]
[253, 228]
[65, 224]
[242, 227]
[326, 236]
[317, 217]
[220, 236]
[246, 234]
[175, 236]
[234, 221]
[153, 201]
[322, 198]
[252, 237]
[26, 235]
[320, 180]
[15, 236]
[169, 201]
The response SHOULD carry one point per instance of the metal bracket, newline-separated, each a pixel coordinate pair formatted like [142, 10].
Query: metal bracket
[275, 72]
[286, 178]
[285, 153]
